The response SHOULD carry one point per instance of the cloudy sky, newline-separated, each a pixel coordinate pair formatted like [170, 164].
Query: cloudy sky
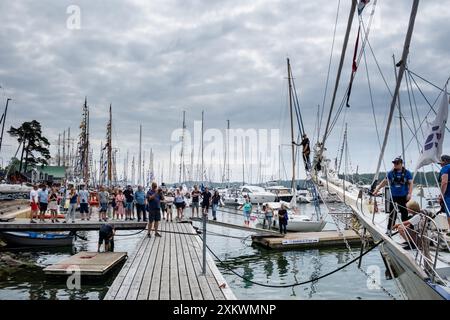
[155, 59]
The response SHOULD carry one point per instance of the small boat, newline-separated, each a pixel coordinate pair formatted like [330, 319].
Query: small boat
[36, 239]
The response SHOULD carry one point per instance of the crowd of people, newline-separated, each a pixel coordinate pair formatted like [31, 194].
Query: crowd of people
[117, 204]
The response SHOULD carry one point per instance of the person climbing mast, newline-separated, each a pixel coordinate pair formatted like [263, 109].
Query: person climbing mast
[306, 150]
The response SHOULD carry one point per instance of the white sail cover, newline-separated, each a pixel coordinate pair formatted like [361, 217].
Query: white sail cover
[432, 148]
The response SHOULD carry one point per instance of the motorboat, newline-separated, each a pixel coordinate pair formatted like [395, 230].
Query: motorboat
[282, 193]
[257, 194]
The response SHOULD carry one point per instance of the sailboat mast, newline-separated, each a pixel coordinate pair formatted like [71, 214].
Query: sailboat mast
[109, 143]
[228, 151]
[400, 114]
[140, 156]
[202, 145]
[338, 77]
[292, 123]
[401, 71]
[4, 121]
[182, 173]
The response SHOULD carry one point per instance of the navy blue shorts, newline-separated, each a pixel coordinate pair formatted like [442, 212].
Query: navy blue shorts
[84, 208]
[154, 215]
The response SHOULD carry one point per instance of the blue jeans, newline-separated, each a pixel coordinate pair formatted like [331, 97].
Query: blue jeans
[214, 210]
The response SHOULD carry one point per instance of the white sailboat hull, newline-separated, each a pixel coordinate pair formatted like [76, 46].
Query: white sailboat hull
[298, 224]
[412, 278]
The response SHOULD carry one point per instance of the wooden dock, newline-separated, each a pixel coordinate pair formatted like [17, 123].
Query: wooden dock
[88, 263]
[308, 240]
[169, 268]
[25, 225]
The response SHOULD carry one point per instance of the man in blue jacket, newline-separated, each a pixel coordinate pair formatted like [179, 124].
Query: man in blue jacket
[445, 190]
[400, 182]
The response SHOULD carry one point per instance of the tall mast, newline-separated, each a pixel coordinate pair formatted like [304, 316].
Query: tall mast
[68, 147]
[292, 123]
[143, 170]
[338, 76]
[170, 164]
[228, 151]
[59, 150]
[4, 120]
[140, 157]
[400, 116]
[182, 173]
[64, 149]
[203, 160]
[401, 71]
[86, 143]
[133, 171]
[109, 144]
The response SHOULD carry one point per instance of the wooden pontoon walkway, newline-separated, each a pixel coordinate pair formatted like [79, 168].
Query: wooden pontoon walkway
[169, 268]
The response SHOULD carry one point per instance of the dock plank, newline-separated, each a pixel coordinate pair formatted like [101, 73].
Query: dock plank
[144, 289]
[137, 281]
[175, 290]
[112, 292]
[155, 285]
[164, 290]
[194, 286]
[128, 281]
[202, 281]
[182, 271]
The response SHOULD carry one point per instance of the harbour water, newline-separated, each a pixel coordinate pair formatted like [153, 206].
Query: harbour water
[257, 264]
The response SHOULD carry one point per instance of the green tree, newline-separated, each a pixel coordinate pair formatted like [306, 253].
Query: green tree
[35, 147]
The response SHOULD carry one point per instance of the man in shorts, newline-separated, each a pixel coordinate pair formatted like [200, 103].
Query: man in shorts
[444, 197]
[195, 200]
[154, 209]
[106, 235]
[43, 202]
[84, 202]
[206, 201]
[103, 196]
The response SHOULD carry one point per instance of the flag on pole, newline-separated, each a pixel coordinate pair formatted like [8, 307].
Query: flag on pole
[432, 148]
[361, 5]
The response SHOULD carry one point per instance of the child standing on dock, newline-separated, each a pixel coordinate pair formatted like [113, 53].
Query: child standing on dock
[53, 205]
[247, 207]
[268, 216]
[120, 204]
